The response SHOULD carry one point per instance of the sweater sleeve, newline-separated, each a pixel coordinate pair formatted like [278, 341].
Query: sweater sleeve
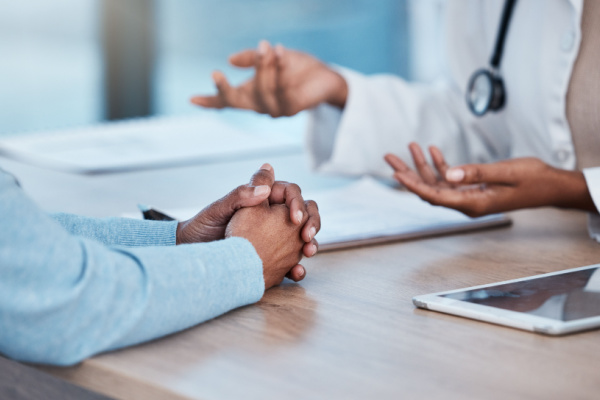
[64, 298]
[120, 231]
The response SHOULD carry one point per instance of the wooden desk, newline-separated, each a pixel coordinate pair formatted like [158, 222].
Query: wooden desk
[18, 382]
[349, 330]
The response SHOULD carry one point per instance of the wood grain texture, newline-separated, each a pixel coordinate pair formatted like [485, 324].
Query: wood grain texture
[349, 330]
[18, 382]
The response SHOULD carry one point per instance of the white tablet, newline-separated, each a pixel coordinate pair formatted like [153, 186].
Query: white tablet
[554, 304]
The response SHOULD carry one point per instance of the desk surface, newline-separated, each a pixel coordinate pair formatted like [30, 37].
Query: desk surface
[349, 330]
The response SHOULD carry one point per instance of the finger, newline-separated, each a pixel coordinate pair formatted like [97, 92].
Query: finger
[282, 94]
[243, 59]
[311, 248]
[247, 196]
[408, 174]
[499, 173]
[472, 202]
[221, 211]
[289, 194]
[313, 224]
[280, 53]
[215, 101]
[266, 79]
[423, 167]
[439, 161]
[225, 92]
[396, 163]
[264, 176]
[427, 192]
[297, 273]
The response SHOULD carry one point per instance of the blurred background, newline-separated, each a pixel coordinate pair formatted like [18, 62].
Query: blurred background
[69, 63]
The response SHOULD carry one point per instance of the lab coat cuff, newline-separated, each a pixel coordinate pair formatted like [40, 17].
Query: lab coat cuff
[592, 178]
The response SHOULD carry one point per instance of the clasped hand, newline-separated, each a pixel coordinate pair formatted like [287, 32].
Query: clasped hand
[271, 214]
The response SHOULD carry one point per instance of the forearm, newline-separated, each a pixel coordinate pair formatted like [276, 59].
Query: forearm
[91, 299]
[338, 94]
[64, 298]
[119, 231]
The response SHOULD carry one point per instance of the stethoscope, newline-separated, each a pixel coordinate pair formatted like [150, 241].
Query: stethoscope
[485, 91]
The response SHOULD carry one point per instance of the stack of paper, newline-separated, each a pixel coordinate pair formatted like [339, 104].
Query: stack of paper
[147, 143]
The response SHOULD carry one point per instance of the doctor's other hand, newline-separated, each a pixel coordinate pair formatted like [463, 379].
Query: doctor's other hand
[481, 189]
[285, 82]
[210, 223]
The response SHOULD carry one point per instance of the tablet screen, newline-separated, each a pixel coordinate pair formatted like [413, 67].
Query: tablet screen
[565, 297]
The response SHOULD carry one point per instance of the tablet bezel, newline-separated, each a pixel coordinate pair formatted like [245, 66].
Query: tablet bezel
[500, 316]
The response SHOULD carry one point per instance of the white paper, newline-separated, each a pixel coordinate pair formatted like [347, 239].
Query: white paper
[147, 143]
[369, 212]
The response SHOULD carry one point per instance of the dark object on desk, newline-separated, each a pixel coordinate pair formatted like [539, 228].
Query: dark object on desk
[18, 382]
[154, 215]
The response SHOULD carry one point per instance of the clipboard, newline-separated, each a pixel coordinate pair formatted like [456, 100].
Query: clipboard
[367, 212]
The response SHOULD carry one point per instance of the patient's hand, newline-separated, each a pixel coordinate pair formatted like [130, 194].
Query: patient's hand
[210, 224]
[274, 236]
[480, 189]
[285, 83]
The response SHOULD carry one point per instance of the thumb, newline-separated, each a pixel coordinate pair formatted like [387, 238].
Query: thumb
[245, 196]
[221, 211]
[265, 176]
[250, 195]
[480, 173]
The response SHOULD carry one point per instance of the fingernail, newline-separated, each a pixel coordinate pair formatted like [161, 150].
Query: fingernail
[302, 272]
[455, 175]
[261, 190]
[299, 216]
[313, 250]
[263, 47]
[312, 232]
[267, 166]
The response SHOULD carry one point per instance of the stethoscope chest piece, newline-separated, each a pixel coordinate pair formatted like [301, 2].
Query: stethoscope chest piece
[485, 92]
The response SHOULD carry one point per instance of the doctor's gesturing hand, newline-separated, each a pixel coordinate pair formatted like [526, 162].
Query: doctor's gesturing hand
[480, 189]
[285, 82]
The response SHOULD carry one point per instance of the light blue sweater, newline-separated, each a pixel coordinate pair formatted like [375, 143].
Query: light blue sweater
[72, 286]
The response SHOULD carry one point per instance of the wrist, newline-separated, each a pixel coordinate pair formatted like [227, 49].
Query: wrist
[339, 91]
[179, 233]
[572, 191]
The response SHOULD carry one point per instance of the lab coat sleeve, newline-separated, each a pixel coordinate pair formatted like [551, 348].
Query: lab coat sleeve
[64, 298]
[592, 178]
[383, 114]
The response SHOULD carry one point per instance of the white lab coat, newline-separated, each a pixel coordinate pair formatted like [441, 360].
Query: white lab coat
[384, 113]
